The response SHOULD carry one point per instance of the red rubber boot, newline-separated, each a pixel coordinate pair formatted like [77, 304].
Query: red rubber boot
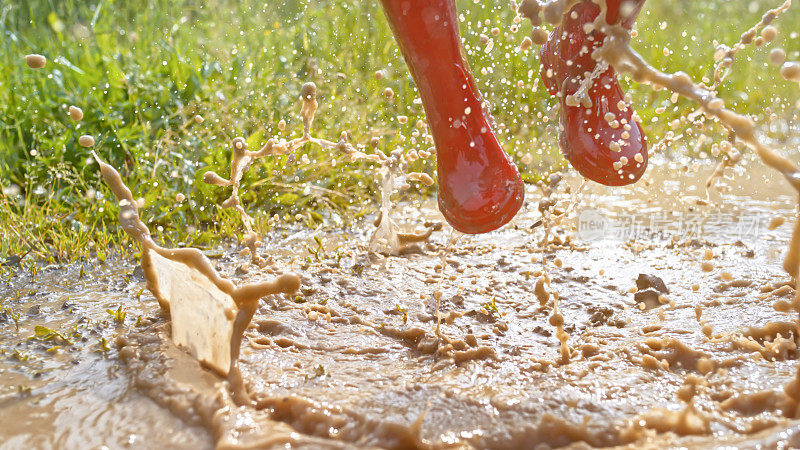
[601, 140]
[479, 187]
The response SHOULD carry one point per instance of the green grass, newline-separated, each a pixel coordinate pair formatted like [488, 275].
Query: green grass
[141, 73]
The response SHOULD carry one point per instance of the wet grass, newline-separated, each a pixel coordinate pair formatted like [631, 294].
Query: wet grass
[142, 71]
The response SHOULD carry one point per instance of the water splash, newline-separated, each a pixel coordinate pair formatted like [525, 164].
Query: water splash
[390, 169]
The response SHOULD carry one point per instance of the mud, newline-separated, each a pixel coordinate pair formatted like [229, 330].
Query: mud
[76, 393]
[354, 358]
[495, 378]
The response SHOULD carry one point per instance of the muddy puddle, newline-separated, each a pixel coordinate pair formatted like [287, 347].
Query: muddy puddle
[673, 307]
[62, 381]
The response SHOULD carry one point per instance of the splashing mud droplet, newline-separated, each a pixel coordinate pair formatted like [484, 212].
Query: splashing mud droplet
[791, 71]
[86, 141]
[180, 278]
[35, 61]
[75, 113]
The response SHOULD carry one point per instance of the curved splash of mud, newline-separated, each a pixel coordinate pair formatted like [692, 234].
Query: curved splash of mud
[238, 313]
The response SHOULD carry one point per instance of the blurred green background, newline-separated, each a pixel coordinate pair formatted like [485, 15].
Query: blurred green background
[141, 71]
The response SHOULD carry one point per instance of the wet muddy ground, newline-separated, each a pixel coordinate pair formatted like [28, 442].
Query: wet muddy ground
[697, 355]
[68, 390]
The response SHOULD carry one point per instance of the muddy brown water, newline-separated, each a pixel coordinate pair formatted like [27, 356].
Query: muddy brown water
[353, 360]
[57, 394]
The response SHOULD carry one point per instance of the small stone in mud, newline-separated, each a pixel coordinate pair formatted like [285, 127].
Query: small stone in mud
[34, 310]
[651, 281]
[600, 315]
[543, 331]
[67, 305]
[138, 273]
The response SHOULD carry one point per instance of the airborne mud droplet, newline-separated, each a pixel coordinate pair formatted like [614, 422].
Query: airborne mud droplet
[76, 114]
[35, 61]
[86, 140]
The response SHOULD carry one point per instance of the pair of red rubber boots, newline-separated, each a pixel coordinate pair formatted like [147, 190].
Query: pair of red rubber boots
[480, 188]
